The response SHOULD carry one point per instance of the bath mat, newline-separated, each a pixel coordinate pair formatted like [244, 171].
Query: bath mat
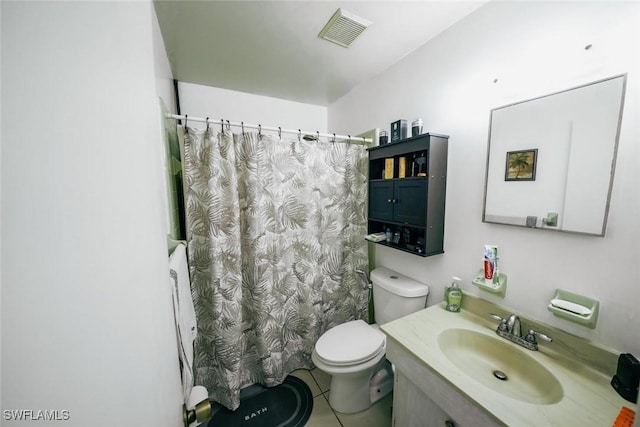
[286, 405]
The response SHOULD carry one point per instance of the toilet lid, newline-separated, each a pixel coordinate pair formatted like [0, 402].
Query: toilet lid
[350, 343]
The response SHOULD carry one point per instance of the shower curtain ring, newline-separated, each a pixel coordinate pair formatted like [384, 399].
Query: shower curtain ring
[228, 125]
[242, 127]
[186, 117]
[334, 138]
[299, 135]
[279, 132]
[318, 136]
[207, 122]
[349, 138]
[259, 130]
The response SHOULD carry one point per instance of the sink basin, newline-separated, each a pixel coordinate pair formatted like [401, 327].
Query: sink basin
[500, 366]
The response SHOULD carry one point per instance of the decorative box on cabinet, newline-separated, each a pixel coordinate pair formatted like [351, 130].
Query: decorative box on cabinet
[412, 206]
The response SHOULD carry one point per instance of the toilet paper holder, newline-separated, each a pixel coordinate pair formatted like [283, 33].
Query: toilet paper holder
[198, 407]
[200, 413]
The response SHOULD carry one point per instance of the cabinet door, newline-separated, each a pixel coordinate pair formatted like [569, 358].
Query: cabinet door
[381, 200]
[413, 408]
[410, 201]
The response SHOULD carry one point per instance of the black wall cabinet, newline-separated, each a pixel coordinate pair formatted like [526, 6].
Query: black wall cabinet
[410, 201]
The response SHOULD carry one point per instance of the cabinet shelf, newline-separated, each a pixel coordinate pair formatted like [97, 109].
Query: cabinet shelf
[410, 206]
[408, 178]
[398, 223]
[403, 248]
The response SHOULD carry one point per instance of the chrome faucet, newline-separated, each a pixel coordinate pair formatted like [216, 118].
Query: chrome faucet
[513, 326]
[511, 329]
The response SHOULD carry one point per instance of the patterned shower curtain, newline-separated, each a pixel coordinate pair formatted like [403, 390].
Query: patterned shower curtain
[275, 230]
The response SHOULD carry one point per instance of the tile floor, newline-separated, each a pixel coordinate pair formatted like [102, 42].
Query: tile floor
[378, 415]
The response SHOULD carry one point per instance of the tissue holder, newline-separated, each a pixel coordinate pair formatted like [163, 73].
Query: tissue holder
[588, 320]
[198, 407]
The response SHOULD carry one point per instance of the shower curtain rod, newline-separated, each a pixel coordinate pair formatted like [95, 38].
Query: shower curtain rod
[301, 133]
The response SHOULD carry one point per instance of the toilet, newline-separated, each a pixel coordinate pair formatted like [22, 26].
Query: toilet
[353, 352]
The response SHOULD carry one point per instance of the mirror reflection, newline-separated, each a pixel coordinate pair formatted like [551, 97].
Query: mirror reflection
[551, 159]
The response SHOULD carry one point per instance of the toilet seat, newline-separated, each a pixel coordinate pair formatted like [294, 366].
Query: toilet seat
[350, 343]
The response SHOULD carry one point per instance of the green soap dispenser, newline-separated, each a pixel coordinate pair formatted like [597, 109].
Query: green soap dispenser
[453, 296]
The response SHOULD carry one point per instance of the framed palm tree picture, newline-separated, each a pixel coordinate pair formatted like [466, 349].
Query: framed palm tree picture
[521, 165]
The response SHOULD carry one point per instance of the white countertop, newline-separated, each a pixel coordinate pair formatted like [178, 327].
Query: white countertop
[588, 398]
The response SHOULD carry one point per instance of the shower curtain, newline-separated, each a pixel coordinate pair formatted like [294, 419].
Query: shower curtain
[276, 229]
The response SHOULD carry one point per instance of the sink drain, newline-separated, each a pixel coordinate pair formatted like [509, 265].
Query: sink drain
[500, 375]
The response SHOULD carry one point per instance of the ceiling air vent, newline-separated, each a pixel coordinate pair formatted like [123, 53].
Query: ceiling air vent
[343, 28]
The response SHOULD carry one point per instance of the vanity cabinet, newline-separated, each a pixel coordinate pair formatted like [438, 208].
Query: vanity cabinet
[441, 381]
[423, 398]
[407, 185]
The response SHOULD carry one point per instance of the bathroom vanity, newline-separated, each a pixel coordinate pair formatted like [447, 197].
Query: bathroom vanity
[445, 373]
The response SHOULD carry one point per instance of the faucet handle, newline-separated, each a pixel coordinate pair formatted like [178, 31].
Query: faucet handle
[531, 336]
[503, 322]
[496, 317]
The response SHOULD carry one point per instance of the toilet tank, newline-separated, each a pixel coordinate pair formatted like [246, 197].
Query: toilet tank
[396, 295]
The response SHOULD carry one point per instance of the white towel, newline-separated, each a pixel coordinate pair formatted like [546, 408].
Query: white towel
[184, 314]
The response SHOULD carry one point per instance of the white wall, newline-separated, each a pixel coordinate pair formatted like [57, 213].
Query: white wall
[167, 98]
[164, 76]
[87, 320]
[532, 48]
[1, 275]
[215, 103]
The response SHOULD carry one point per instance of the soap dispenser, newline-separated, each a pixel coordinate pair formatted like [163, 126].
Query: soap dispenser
[453, 296]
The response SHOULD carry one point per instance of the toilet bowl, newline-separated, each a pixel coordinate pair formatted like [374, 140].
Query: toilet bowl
[353, 352]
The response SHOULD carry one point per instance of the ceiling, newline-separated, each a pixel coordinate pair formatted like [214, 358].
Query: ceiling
[272, 48]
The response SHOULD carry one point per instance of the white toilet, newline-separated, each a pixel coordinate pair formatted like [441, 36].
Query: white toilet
[353, 352]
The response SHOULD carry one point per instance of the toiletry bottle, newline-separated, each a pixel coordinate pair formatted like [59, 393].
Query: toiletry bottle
[453, 296]
[389, 235]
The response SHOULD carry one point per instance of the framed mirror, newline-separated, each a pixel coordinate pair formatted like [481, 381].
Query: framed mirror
[551, 159]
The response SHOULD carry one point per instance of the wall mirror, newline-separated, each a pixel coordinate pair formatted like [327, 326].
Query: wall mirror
[551, 159]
